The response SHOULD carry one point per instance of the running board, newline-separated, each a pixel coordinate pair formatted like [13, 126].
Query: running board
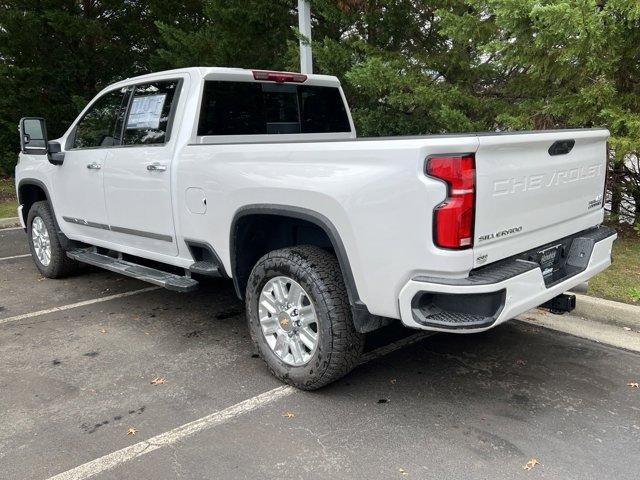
[167, 280]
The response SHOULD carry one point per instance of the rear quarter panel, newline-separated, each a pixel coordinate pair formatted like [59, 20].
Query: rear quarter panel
[373, 191]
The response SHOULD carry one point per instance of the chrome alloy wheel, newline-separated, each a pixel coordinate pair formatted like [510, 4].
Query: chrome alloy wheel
[288, 320]
[41, 241]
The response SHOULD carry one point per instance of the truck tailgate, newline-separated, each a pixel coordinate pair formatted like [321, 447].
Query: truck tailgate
[527, 197]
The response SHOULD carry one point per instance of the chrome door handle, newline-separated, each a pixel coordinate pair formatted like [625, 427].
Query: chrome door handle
[94, 166]
[156, 167]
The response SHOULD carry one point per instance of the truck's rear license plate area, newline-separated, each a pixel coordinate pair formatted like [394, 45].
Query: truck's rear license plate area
[549, 260]
[565, 257]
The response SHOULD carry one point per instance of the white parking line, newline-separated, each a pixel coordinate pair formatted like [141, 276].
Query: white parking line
[15, 256]
[10, 228]
[119, 457]
[75, 305]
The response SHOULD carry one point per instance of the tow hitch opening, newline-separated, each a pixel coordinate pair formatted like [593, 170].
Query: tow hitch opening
[561, 304]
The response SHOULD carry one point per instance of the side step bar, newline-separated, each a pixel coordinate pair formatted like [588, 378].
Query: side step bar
[167, 280]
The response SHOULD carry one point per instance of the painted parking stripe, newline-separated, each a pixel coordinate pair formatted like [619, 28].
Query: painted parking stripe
[15, 256]
[119, 457]
[75, 305]
[10, 229]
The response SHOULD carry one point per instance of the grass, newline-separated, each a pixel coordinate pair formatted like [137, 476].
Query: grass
[8, 202]
[621, 281]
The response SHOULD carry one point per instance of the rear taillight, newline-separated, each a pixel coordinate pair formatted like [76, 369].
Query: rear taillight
[453, 218]
[279, 77]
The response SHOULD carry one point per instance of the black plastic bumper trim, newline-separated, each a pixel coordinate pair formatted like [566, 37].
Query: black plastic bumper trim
[518, 264]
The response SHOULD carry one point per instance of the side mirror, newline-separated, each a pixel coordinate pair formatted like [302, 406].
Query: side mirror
[33, 140]
[33, 136]
[56, 155]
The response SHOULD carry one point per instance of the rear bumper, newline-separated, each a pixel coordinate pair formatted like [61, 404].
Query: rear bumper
[496, 293]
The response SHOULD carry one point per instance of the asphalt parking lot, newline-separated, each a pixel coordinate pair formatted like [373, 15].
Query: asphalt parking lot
[74, 379]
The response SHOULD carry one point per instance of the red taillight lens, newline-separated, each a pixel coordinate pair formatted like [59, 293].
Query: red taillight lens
[279, 77]
[453, 218]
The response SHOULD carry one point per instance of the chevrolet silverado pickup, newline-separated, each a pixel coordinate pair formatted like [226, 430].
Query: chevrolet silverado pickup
[258, 177]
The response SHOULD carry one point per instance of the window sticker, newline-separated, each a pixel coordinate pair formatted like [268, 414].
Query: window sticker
[146, 111]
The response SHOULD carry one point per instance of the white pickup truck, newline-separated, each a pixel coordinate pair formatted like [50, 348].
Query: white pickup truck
[258, 176]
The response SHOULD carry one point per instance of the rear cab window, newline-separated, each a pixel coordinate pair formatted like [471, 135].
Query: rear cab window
[270, 109]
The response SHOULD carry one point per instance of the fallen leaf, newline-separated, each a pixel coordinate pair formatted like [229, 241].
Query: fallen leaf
[520, 362]
[403, 472]
[530, 464]
[158, 381]
[392, 381]
[633, 384]
[288, 414]
[102, 330]
[132, 431]
[626, 329]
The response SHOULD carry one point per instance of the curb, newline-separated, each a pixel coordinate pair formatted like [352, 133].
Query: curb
[607, 311]
[9, 222]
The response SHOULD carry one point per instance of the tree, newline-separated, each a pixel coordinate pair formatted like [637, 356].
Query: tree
[56, 54]
[235, 33]
[407, 66]
[572, 63]
[403, 71]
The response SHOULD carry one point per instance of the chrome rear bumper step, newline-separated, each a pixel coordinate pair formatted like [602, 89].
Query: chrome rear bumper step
[170, 281]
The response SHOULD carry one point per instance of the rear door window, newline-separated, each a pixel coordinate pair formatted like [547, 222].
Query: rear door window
[248, 108]
[149, 118]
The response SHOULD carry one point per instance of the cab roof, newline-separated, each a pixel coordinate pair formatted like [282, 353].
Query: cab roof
[230, 74]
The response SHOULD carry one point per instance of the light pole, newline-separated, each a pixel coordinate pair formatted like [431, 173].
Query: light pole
[304, 25]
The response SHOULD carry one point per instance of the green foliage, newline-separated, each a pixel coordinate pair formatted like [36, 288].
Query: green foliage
[247, 34]
[55, 55]
[407, 66]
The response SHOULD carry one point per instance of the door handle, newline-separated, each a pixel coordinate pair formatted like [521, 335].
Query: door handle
[94, 166]
[156, 167]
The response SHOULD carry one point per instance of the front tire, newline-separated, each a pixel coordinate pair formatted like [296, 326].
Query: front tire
[299, 317]
[50, 258]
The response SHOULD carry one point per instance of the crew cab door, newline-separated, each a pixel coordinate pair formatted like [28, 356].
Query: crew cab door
[78, 183]
[137, 176]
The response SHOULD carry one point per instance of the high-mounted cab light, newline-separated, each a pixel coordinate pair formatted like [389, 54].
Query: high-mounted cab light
[454, 218]
[279, 77]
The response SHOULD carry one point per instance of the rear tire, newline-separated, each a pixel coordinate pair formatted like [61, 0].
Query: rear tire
[337, 346]
[50, 258]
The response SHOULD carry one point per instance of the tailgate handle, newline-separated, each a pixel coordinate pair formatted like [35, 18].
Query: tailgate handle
[561, 147]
